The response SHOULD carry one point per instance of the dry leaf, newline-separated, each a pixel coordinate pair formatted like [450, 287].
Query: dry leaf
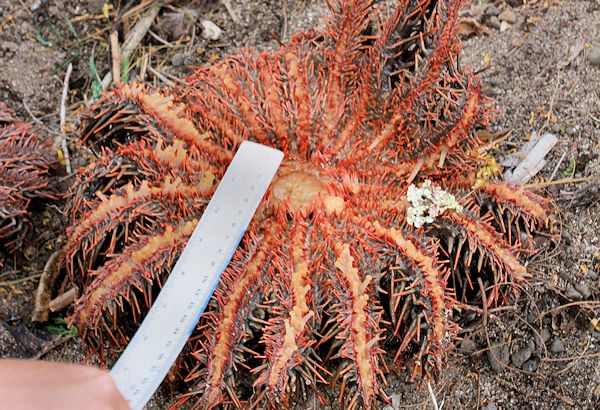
[467, 27]
[595, 322]
[485, 135]
[486, 58]
[174, 25]
[106, 8]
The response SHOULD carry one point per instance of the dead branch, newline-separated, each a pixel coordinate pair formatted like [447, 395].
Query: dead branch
[64, 300]
[42, 297]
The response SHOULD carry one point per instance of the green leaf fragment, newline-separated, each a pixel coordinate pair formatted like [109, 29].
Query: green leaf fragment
[96, 82]
[125, 68]
[40, 39]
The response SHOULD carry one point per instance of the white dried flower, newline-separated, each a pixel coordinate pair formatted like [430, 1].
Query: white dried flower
[428, 202]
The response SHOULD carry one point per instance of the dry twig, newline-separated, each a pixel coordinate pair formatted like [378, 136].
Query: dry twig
[161, 77]
[53, 345]
[229, 9]
[64, 300]
[115, 51]
[135, 37]
[560, 181]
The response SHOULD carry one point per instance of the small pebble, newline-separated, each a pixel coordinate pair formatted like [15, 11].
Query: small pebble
[532, 364]
[543, 338]
[571, 293]
[493, 22]
[468, 346]
[504, 25]
[509, 16]
[557, 346]
[517, 42]
[211, 30]
[492, 11]
[583, 289]
[94, 6]
[395, 402]
[594, 56]
[495, 82]
[35, 5]
[498, 357]
[177, 59]
[490, 406]
[522, 355]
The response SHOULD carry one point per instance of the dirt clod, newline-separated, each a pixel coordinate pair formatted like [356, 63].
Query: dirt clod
[522, 355]
[557, 346]
[468, 346]
[499, 357]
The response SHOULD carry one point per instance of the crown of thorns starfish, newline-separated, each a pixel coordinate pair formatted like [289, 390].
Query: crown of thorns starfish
[24, 165]
[341, 277]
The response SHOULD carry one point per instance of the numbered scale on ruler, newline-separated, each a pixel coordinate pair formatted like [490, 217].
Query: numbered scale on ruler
[173, 316]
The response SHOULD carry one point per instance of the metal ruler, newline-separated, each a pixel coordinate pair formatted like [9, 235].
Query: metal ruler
[175, 312]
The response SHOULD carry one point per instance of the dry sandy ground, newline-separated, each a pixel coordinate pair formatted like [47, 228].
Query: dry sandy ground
[537, 71]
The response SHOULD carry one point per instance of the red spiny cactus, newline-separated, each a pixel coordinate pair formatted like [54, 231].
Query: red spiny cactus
[24, 165]
[375, 225]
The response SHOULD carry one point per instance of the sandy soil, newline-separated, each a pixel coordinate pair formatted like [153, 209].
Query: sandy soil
[538, 72]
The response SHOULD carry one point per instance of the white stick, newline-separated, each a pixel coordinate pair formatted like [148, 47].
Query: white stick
[534, 160]
[63, 117]
[161, 77]
[433, 399]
